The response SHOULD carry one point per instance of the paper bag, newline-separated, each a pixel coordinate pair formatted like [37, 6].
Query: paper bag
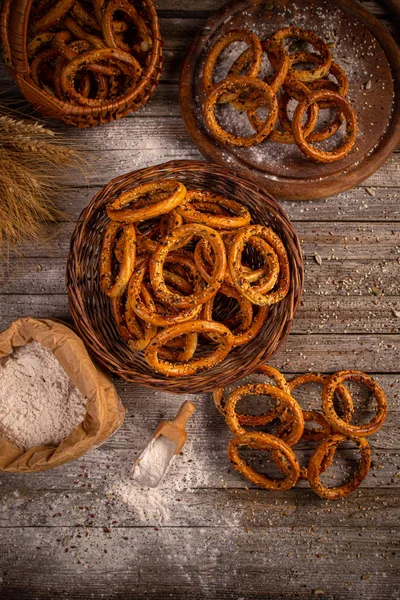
[104, 414]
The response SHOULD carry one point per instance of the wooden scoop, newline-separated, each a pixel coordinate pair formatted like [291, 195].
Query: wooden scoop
[168, 440]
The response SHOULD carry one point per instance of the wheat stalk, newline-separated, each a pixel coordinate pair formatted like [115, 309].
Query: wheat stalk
[33, 160]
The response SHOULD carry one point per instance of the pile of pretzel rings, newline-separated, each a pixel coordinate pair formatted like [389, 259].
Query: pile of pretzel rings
[170, 256]
[332, 431]
[313, 89]
[88, 52]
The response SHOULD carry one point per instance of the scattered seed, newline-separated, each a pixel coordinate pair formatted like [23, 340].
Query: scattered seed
[396, 313]
[370, 191]
[318, 259]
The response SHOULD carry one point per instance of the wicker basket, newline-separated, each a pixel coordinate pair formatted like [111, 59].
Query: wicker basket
[14, 22]
[90, 308]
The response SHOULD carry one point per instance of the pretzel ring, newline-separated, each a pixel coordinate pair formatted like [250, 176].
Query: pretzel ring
[87, 59]
[54, 15]
[177, 193]
[341, 425]
[160, 255]
[219, 331]
[310, 37]
[274, 81]
[268, 275]
[240, 83]
[301, 92]
[314, 467]
[116, 288]
[264, 441]
[235, 35]
[264, 389]
[351, 127]
[247, 332]
[146, 308]
[341, 87]
[253, 420]
[236, 270]
[129, 329]
[242, 216]
[127, 8]
[341, 390]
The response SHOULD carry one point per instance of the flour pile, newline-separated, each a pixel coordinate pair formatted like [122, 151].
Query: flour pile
[39, 404]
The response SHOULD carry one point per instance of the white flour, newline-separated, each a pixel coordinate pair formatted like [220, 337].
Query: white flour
[154, 461]
[39, 404]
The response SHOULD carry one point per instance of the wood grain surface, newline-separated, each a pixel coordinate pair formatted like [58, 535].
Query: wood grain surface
[82, 532]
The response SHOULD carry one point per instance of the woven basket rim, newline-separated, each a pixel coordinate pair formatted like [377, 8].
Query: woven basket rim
[76, 273]
[19, 67]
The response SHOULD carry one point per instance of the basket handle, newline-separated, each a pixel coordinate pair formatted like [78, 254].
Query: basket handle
[18, 34]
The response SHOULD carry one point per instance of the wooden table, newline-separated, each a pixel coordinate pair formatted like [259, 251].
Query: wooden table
[81, 532]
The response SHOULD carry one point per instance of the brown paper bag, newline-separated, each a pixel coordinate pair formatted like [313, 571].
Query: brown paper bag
[105, 413]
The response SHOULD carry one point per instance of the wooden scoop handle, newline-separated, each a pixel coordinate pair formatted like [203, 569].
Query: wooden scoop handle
[183, 414]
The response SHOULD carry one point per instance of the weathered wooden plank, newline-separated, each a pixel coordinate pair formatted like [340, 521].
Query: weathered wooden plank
[42, 275]
[211, 563]
[247, 508]
[333, 241]
[362, 314]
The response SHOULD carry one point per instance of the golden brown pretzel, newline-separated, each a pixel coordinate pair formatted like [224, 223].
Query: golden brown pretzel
[219, 331]
[84, 18]
[325, 447]
[345, 107]
[253, 420]
[128, 9]
[264, 441]
[139, 212]
[92, 57]
[238, 85]
[241, 214]
[141, 302]
[110, 287]
[310, 37]
[136, 336]
[341, 425]
[235, 35]
[161, 253]
[263, 389]
[236, 271]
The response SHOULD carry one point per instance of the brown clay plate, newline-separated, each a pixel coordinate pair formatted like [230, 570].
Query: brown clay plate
[364, 49]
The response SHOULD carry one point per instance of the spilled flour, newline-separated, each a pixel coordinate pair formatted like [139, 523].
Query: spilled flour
[39, 404]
